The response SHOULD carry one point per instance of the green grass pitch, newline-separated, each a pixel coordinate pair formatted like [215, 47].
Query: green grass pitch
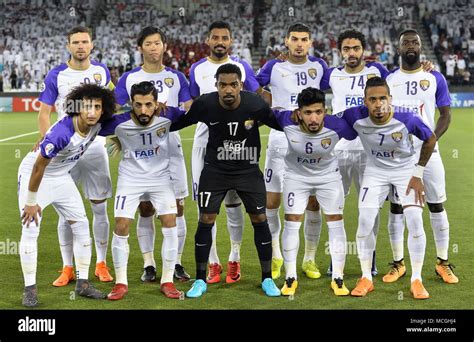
[457, 149]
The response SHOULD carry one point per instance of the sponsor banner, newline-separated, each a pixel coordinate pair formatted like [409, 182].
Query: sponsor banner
[26, 104]
[462, 100]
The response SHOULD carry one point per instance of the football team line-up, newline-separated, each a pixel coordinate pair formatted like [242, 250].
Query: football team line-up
[382, 136]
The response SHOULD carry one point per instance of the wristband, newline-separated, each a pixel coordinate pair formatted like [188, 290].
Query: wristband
[419, 171]
[31, 198]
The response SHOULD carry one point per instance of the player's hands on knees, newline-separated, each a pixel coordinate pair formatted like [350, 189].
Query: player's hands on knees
[428, 66]
[416, 184]
[30, 214]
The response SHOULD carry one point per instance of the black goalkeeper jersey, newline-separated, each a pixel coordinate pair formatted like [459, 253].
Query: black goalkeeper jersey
[234, 138]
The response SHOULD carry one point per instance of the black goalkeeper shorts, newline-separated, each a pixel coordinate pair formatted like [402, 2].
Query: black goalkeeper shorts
[213, 187]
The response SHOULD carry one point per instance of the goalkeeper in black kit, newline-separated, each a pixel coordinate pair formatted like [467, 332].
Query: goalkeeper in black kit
[231, 163]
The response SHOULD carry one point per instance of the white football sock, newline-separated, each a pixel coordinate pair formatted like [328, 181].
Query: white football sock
[120, 252]
[274, 223]
[396, 228]
[101, 226]
[366, 240]
[337, 247]
[182, 230]
[146, 239]
[65, 241]
[440, 226]
[291, 244]
[29, 253]
[312, 232]
[416, 240]
[235, 226]
[169, 252]
[213, 257]
[82, 246]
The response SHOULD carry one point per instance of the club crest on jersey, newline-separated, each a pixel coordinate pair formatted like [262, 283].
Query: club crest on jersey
[369, 76]
[169, 82]
[43, 87]
[249, 124]
[325, 143]
[424, 84]
[97, 78]
[312, 73]
[397, 136]
[161, 132]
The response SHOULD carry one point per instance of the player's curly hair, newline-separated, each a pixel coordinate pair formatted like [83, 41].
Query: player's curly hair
[351, 34]
[73, 103]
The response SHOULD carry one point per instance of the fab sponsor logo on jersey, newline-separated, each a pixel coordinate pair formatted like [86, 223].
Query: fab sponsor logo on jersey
[153, 151]
[383, 154]
[353, 101]
[236, 149]
[308, 161]
[147, 153]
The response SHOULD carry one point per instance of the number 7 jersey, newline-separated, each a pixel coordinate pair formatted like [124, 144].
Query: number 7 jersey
[388, 145]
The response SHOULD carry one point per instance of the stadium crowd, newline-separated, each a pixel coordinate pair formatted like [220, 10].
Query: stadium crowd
[29, 50]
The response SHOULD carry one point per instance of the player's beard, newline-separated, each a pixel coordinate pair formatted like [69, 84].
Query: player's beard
[411, 58]
[81, 57]
[314, 128]
[219, 54]
[353, 62]
[143, 119]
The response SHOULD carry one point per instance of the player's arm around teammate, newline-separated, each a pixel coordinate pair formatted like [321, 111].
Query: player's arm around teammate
[143, 135]
[313, 170]
[385, 133]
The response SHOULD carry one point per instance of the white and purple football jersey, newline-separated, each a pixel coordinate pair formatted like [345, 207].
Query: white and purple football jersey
[145, 149]
[171, 85]
[202, 81]
[64, 145]
[388, 145]
[310, 154]
[348, 91]
[286, 81]
[420, 92]
[60, 80]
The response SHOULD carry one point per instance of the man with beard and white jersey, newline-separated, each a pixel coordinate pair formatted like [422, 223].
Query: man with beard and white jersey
[44, 178]
[312, 169]
[286, 79]
[386, 135]
[421, 92]
[347, 84]
[92, 171]
[172, 88]
[144, 171]
[202, 81]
